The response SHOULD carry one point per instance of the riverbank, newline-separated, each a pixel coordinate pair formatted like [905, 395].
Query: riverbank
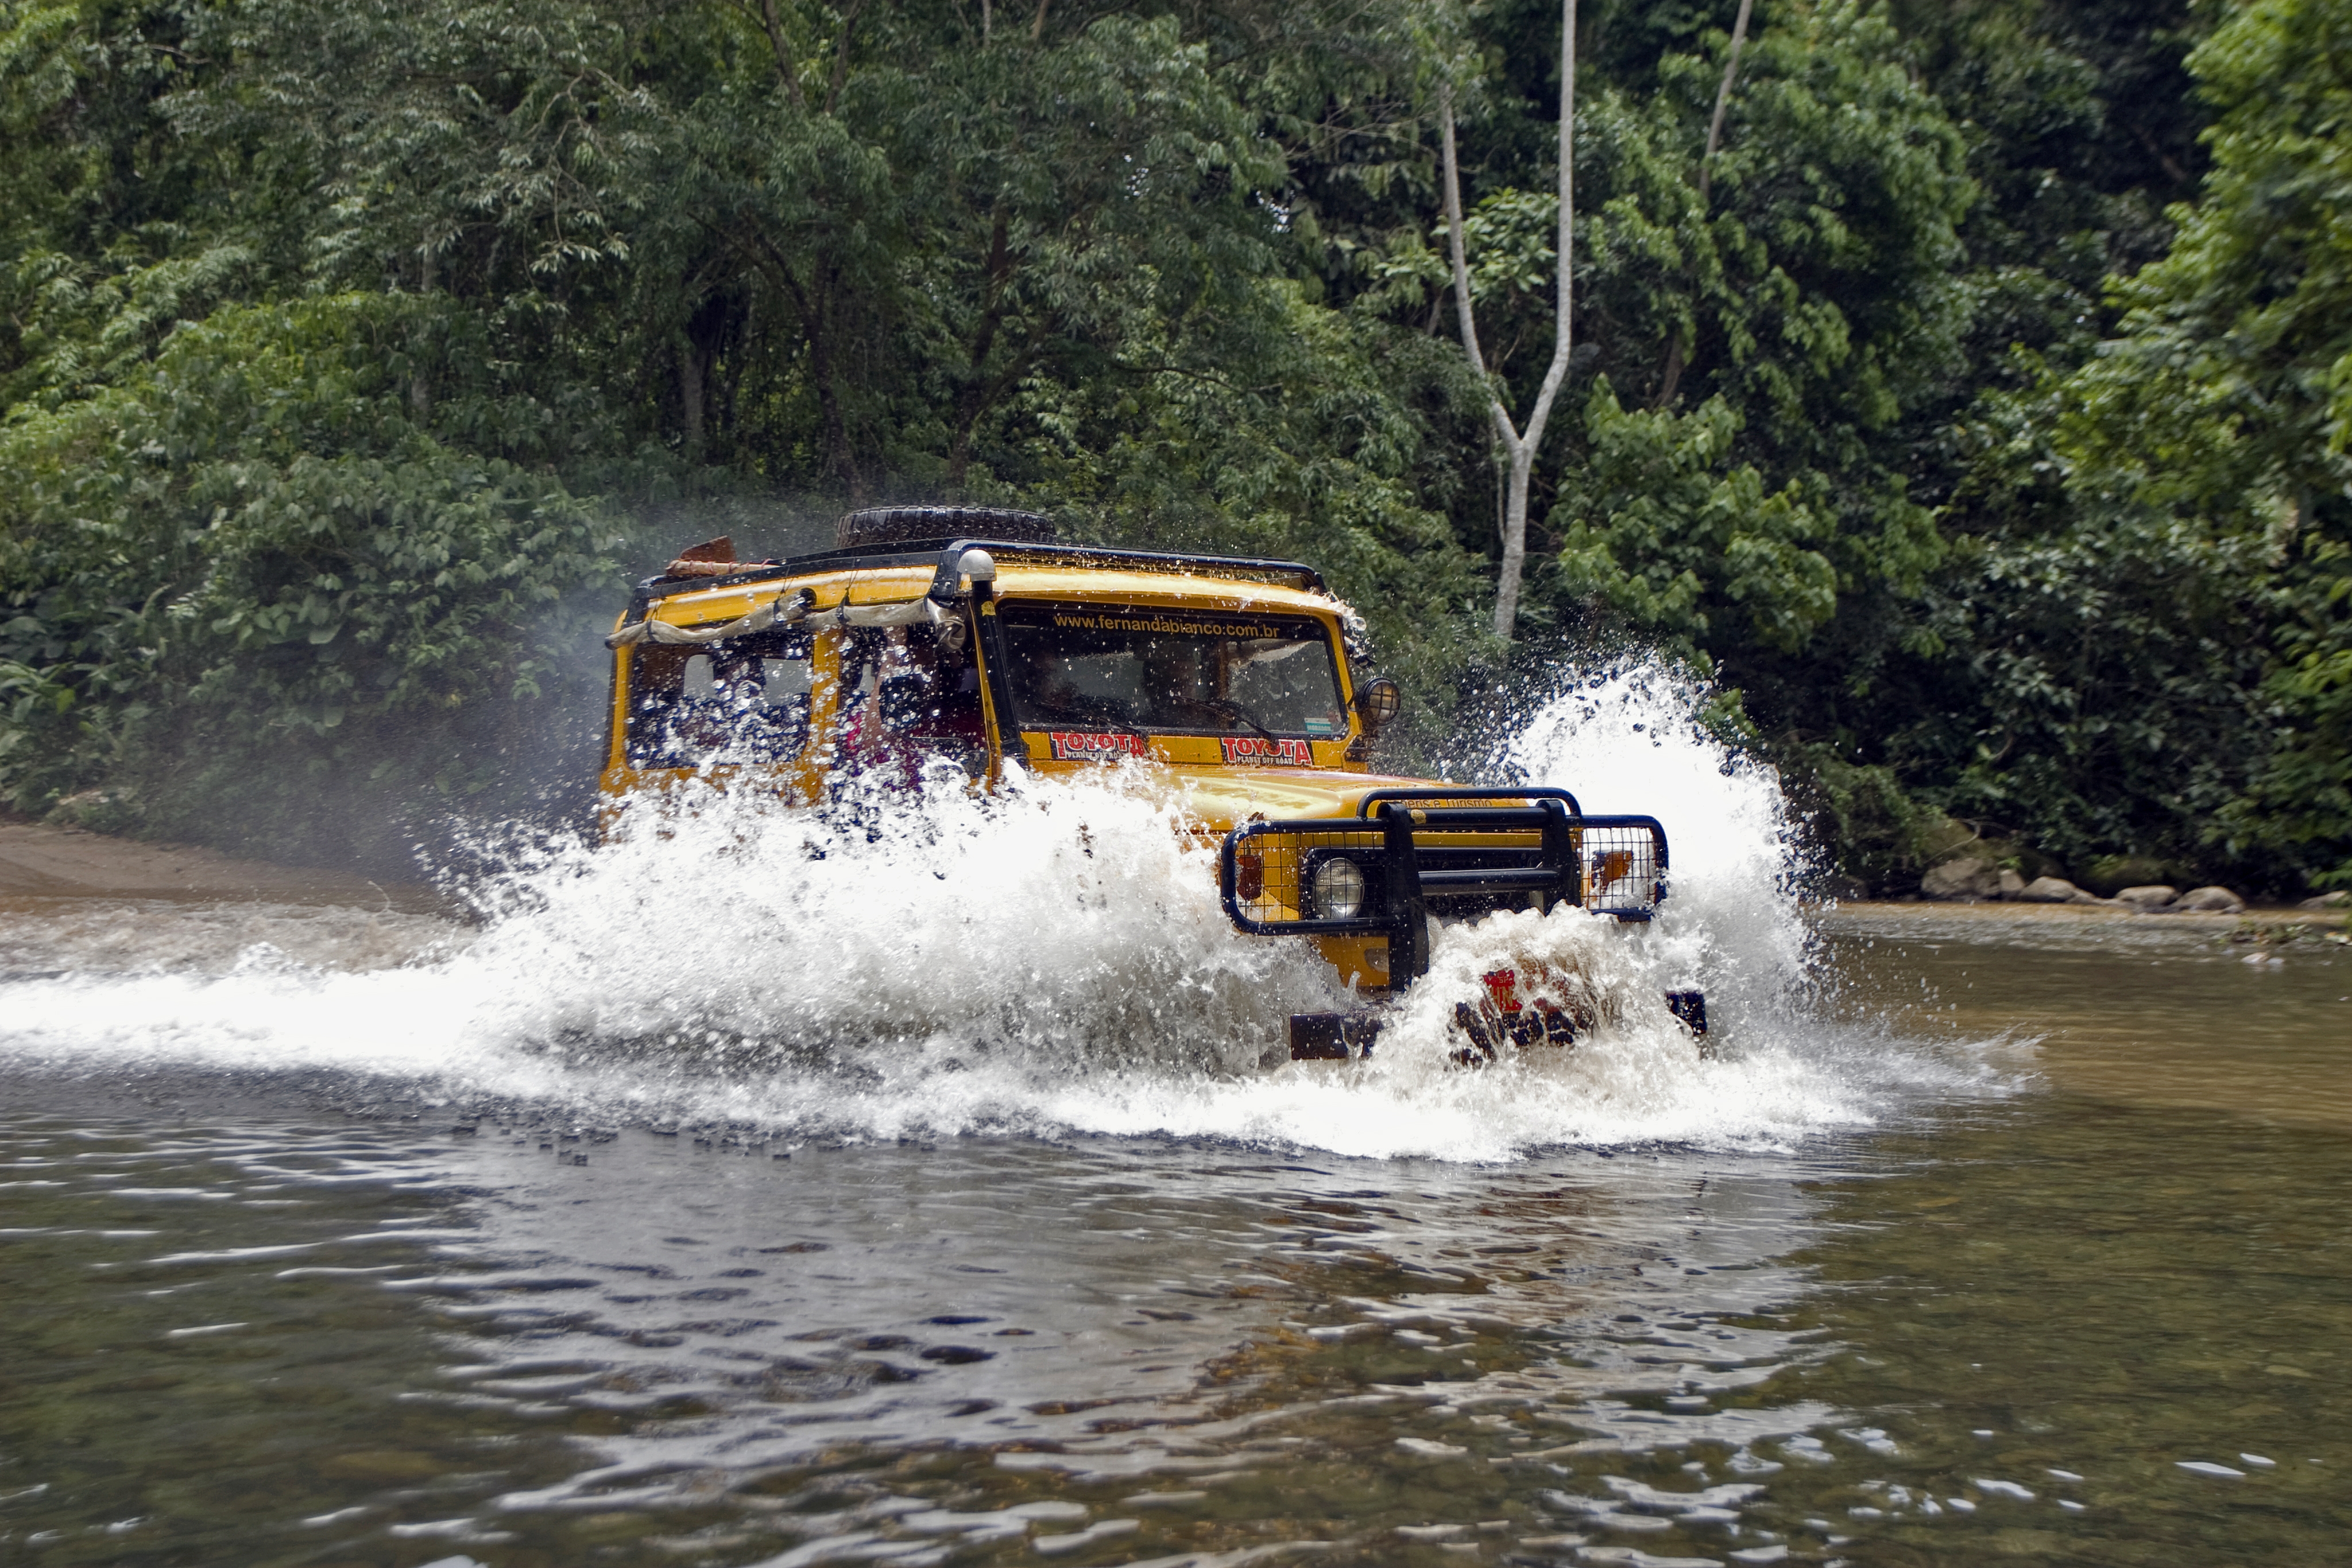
[1989, 913]
[38, 861]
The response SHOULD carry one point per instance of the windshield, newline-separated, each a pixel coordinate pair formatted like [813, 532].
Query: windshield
[1142, 668]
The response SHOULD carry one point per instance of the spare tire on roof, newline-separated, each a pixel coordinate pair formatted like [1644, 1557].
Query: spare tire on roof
[916, 525]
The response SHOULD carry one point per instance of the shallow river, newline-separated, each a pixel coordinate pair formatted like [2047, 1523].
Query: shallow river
[1987, 1238]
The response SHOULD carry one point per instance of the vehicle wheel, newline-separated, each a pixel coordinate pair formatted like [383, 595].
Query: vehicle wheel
[929, 525]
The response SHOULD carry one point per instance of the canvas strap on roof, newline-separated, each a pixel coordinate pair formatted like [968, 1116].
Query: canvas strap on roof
[792, 607]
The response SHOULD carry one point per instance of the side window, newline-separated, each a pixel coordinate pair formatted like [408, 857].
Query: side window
[788, 682]
[742, 701]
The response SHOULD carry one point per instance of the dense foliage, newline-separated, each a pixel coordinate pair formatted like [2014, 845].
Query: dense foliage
[1975, 415]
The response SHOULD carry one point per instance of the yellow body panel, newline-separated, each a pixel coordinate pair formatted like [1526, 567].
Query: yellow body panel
[1215, 796]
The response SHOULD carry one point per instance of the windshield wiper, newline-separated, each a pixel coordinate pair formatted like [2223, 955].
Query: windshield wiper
[1234, 710]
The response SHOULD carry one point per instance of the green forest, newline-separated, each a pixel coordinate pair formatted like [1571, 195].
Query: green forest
[1976, 416]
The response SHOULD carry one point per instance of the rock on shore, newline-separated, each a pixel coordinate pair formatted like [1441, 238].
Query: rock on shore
[2053, 890]
[1968, 877]
[1975, 877]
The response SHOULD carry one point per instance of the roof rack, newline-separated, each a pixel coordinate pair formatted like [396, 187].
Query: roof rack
[945, 578]
[942, 555]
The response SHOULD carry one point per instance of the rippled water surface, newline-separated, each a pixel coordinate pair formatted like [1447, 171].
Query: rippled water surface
[607, 1228]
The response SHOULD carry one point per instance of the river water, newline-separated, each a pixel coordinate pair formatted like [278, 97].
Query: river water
[739, 1193]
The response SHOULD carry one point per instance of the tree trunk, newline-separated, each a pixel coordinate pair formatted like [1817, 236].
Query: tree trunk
[841, 56]
[1514, 540]
[729, 398]
[786, 72]
[1722, 98]
[1672, 377]
[420, 385]
[705, 338]
[1518, 449]
[838, 456]
[693, 369]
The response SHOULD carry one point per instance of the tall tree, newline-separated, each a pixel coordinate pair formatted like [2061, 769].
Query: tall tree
[1518, 448]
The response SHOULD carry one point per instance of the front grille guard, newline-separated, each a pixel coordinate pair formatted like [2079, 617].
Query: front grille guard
[1410, 846]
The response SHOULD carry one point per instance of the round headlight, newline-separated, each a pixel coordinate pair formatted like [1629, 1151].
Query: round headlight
[1379, 702]
[1339, 889]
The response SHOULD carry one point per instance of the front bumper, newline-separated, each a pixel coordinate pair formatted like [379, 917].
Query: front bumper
[1413, 853]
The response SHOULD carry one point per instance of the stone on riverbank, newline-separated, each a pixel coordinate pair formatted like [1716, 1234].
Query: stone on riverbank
[2338, 900]
[1968, 877]
[2053, 890]
[2209, 901]
[2152, 897]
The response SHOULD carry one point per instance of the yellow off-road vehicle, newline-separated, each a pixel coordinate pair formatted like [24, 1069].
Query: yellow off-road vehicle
[967, 638]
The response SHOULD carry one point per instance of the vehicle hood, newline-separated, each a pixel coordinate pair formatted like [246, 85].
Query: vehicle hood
[1223, 798]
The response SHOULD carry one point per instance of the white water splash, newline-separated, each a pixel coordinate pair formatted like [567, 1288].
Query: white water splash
[1052, 960]
[1629, 741]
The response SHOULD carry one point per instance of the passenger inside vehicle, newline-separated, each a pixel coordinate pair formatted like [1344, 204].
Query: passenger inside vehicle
[909, 696]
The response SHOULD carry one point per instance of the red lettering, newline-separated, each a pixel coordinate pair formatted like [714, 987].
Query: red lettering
[1257, 748]
[1071, 746]
[1503, 986]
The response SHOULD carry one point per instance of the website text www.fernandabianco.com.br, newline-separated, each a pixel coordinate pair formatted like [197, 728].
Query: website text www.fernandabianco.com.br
[1165, 627]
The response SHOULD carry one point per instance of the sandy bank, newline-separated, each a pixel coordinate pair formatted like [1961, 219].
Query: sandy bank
[2002, 913]
[41, 862]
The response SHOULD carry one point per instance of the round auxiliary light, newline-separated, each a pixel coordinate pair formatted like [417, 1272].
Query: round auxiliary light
[1378, 701]
[1339, 889]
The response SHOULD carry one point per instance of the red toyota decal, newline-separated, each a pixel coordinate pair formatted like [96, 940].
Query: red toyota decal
[1072, 746]
[1257, 748]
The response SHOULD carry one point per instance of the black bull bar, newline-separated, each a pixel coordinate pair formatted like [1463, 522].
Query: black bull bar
[1460, 850]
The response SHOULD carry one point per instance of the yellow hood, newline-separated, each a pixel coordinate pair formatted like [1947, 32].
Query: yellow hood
[1223, 798]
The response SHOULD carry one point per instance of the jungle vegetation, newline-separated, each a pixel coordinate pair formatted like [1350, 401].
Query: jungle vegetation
[1978, 418]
